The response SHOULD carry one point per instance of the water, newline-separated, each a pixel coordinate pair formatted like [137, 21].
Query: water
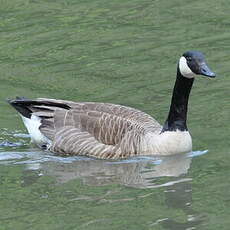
[123, 52]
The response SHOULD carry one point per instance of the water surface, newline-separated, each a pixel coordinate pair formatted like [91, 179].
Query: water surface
[122, 52]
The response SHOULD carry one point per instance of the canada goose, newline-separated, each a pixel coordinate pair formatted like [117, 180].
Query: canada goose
[110, 131]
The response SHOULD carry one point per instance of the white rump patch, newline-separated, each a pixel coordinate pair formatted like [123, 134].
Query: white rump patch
[32, 126]
[184, 68]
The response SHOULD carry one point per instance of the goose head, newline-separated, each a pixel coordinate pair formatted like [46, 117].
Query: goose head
[192, 63]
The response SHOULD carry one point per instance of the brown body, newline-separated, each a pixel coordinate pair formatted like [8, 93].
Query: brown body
[100, 130]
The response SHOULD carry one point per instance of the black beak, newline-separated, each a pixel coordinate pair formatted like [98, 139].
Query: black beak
[204, 70]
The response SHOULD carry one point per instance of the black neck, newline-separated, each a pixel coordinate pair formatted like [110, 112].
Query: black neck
[178, 110]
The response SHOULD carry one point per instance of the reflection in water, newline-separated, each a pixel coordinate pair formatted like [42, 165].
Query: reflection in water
[143, 172]
[139, 173]
[169, 172]
[179, 197]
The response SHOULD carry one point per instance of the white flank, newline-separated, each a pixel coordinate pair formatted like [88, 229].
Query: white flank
[32, 126]
[184, 68]
[168, 143]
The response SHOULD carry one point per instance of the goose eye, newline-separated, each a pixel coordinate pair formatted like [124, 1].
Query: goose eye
[189, 59]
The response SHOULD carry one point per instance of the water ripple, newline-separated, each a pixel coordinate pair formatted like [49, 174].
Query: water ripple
[37, 156]
[10, 144]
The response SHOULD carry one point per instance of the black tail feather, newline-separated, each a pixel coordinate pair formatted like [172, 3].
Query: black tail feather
[25, 106]
[20, 106]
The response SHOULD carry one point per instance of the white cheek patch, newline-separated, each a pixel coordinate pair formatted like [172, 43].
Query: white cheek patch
[184, 69]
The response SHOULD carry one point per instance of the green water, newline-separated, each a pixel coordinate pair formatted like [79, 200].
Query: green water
[123, 52]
